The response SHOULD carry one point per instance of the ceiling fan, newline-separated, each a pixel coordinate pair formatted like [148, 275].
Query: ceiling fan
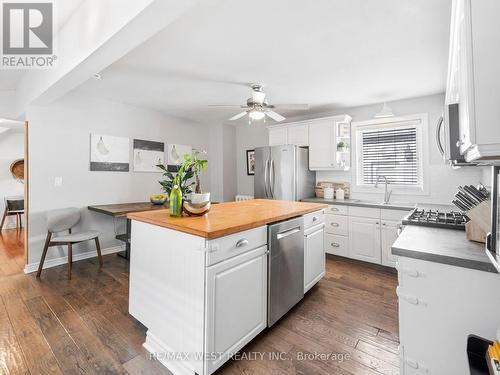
[257, 107]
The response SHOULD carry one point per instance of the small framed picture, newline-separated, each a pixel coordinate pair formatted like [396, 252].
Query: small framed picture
[251, 162]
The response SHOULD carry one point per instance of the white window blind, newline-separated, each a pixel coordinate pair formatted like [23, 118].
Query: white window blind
[390, 152]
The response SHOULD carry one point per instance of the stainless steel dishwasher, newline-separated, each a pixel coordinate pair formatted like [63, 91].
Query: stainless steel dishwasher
[286, 267]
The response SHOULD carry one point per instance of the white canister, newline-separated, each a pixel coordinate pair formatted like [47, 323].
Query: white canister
[339, 193]
[328, 192]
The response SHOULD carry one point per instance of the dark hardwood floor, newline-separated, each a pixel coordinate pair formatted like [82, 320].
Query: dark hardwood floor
[55, 326]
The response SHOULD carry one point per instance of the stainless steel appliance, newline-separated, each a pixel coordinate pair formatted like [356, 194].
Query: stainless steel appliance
[286, 267]
[436, 218]
[448, 136]
[282, 172]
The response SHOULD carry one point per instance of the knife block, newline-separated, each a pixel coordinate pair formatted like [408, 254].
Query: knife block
[480, 222]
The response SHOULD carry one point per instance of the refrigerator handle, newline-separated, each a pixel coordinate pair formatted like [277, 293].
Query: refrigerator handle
[266, 172]
[271, 187]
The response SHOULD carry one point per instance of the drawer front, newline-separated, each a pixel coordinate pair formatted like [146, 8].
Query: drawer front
[393, 215]
[313, 219]
[373, 213]
[337, 245]
[337, 209]
[235, 244]
[336, 224]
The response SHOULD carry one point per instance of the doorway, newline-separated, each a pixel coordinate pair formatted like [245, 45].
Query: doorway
[13, 196]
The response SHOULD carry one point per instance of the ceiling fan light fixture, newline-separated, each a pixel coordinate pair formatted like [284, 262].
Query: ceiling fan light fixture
[385, 112]
[257, 115]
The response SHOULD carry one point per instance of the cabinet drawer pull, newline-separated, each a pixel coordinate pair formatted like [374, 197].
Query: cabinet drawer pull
[334, 244]
[334, 209]
[242, 242]
[415, 365]
[335, 225]
[410, 299]
[408, 271]
[315, 218]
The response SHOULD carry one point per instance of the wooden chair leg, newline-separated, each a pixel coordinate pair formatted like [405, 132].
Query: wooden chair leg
[99, 255]
[3, 218]
[70, 259]
[44, 253]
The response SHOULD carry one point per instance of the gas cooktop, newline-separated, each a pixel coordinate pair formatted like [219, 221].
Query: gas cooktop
[436, 218]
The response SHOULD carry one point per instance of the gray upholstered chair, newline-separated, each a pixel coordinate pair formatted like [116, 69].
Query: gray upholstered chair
[13, 206]
[63, 220]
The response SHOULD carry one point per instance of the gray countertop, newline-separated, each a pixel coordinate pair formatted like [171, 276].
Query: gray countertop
[447, 246]
[404, 206]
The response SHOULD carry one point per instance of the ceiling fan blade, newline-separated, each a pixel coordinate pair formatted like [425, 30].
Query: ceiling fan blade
[275, 116]
[238, 116]
[297, 107]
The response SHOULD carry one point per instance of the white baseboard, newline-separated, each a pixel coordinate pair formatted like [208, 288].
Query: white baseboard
[49, 263]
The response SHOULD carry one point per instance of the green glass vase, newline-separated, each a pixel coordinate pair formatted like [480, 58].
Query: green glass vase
[176, 202]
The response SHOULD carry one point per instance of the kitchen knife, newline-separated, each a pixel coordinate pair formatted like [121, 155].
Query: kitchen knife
[482, 191]
[471, 197]
[459, 205]
[474, 193]
[463, 200]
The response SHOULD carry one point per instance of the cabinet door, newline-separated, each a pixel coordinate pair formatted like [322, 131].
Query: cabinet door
[236, 292]
[364, 241]
[322, 145]
[389, 234]
[277, 136]
[314, 258]
[298, 135]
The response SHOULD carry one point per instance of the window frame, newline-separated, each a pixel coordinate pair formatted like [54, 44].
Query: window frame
[388, 123]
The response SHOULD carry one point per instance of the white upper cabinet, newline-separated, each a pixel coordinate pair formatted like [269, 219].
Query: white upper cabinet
[289, 134]
[473, 78]
[298, 135]
[278, 136]
[329, 143]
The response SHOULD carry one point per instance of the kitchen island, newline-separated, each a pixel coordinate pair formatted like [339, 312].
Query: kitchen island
[200, 284]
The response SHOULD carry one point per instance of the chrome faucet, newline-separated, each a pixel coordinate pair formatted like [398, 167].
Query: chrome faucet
[387, 194]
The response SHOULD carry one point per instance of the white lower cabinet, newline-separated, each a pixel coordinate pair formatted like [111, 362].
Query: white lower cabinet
[337, 245]
[364, 235]
[314, 256]
[236, 292]
[439, 307]
[389, 233]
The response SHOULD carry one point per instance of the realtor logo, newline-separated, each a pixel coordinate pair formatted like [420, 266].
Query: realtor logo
[27, 39]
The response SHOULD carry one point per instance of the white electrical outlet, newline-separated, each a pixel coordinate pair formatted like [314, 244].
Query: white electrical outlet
[58, 181]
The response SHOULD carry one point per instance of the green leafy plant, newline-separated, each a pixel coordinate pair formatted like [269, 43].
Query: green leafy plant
[198, 165]
[190, 167]
[342, 146]
[181, 178]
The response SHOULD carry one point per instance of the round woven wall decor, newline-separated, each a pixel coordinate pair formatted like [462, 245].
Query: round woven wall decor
[17, 169]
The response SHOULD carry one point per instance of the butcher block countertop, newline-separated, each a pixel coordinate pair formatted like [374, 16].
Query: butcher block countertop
[228, 218]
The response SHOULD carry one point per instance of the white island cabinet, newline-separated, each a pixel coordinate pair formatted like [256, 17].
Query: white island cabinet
[201, 300]
[200, 284]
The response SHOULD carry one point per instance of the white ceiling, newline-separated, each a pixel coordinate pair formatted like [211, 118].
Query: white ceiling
[328, 53]
[63, 9]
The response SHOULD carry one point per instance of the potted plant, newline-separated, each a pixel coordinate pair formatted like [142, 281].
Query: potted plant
[178, 186]
[181, 184]
[342, 146]
[198, 165]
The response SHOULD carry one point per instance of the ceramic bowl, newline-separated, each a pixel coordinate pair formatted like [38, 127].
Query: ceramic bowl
[199, 198]
[158, 201]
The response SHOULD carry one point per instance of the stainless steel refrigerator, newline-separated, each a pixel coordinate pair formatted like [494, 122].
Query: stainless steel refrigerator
[282, 172]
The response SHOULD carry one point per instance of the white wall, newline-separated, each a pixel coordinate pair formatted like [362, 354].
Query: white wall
[443, 180]
[247, 138]
[222, 148]
[11, 148]
[59, 141]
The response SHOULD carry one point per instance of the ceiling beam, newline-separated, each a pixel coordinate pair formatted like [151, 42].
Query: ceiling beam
[99, 33]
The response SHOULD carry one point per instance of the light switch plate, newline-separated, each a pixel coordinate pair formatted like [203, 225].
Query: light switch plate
[58, 181]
